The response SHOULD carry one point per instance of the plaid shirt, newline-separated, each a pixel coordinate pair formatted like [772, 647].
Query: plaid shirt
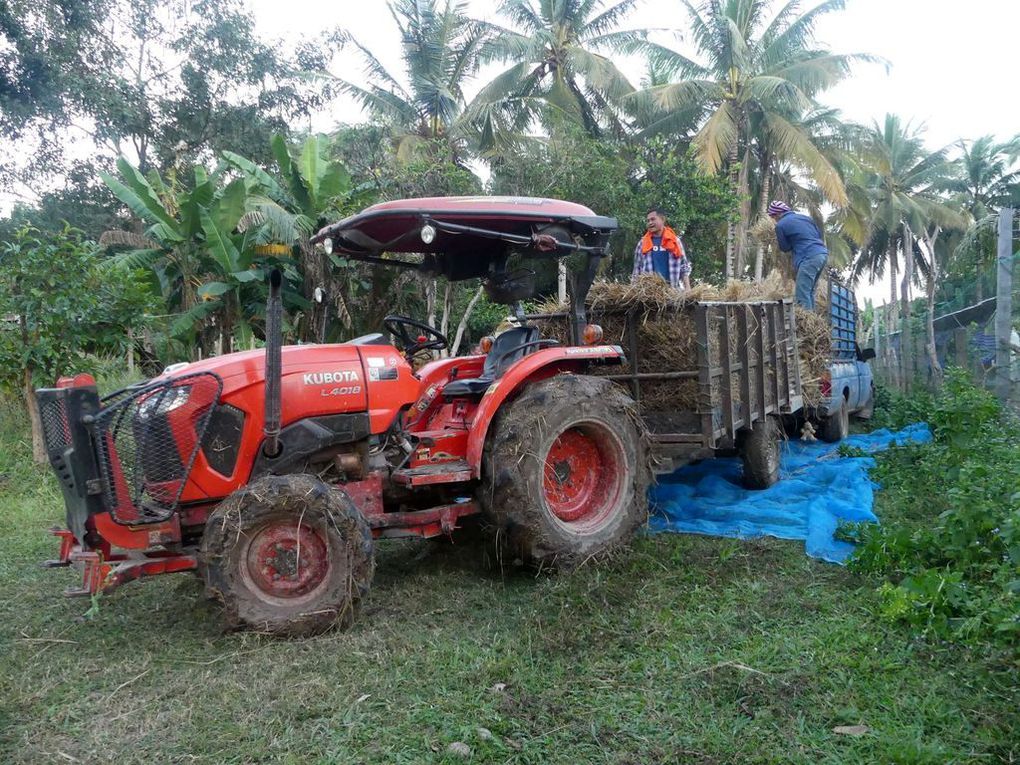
[678, 267]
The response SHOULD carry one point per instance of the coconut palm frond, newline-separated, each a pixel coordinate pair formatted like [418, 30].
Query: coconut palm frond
[794, 144]
[717, 136]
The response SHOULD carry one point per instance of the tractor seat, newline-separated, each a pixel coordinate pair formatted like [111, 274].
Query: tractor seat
[376, 338]
[494, 368]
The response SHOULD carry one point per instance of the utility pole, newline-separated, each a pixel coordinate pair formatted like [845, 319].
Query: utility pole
[1004, 304]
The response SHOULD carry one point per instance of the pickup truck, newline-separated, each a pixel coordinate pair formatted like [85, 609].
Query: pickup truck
[849, 388]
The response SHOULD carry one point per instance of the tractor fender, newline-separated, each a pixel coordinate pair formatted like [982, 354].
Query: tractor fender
[535, 366]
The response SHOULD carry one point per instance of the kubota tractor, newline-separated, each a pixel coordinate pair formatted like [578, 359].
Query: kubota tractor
[271, 473]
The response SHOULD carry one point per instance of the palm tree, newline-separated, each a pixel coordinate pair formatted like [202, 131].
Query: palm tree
[838, 141]
[441, 50]
[988, 180]
[756, 78]
[907, 184]
[556, 50]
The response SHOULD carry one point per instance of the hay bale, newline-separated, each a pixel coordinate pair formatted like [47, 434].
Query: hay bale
[667, 335]
[814, 345]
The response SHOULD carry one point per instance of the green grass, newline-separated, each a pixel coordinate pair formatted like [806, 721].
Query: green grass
[684, 649]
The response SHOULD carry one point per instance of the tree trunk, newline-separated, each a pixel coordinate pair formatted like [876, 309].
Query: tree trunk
[933, 356]
[313, 268]
[130, 352]
[908, 269]
[763, 203]
[38, 445]
[933, 274]
[907, 333]
[731, 228]
[430, 302]
[447, 310]
[744, 193]
[463, 322]
[890, 255]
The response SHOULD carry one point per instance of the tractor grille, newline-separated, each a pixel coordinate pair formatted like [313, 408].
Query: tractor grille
[146, 441]
[56, 431]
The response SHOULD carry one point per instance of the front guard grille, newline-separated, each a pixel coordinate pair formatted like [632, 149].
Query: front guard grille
[56, 429]
[146, 441]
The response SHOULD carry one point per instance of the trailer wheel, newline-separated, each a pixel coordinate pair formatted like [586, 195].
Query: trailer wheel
[565, 476]
[287, 555]
[835, 427]
[759, 452]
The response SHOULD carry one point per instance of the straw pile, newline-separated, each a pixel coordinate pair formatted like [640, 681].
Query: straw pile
[668, 339]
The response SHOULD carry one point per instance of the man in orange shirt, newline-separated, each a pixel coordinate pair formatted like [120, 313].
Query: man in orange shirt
[661, 252]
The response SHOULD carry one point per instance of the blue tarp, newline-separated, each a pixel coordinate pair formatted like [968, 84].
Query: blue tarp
[818, 489]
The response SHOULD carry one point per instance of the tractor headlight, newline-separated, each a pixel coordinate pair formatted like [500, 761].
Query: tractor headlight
[428, 233]
[327, 245]
[164, 401]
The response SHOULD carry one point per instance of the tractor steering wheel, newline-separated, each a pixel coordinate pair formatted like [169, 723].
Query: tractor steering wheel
[414, 336]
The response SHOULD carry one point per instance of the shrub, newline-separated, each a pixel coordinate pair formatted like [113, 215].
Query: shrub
[950, 554]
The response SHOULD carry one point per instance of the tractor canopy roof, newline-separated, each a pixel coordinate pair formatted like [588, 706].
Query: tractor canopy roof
[467, 237]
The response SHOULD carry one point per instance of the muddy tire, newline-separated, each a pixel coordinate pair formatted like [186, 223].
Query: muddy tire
[564, 476]
[287, 555]
[836, 426]
[868, 410]
[759, 453]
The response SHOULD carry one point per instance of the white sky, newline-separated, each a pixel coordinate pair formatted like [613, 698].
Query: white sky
[950, 63]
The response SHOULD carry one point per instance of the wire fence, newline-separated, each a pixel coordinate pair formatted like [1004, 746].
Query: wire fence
[974, 326]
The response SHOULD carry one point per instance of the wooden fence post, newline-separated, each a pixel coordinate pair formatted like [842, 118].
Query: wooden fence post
[960, 347]
[1004, 303]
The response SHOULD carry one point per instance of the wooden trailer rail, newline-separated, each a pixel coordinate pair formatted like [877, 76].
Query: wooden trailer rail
[761, 365]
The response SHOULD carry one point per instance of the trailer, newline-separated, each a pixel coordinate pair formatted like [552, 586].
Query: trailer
[753, 345]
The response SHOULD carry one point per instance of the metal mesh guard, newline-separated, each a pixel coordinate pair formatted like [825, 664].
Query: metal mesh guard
[146, 443]
[56, 432]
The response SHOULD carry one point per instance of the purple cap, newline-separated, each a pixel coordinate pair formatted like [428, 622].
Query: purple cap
[778, 208]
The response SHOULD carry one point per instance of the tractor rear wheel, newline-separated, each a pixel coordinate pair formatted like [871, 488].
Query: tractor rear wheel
[565, 475]
[287, 555]
[759, 453]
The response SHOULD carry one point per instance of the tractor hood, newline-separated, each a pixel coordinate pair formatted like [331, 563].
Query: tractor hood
[317, 380]
[368, 385]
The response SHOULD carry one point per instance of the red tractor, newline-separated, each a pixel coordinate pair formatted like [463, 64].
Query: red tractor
[272, 473]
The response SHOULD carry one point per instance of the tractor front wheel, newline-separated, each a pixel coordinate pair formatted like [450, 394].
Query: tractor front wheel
[287, 555]
[565, 475]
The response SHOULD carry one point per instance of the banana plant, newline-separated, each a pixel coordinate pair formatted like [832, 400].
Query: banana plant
[209, 271]
[309, 190]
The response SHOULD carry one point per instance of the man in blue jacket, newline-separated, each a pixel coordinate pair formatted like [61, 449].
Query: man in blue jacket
[798, 234]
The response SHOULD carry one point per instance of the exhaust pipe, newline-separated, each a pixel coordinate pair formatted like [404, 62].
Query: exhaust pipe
[274, 364]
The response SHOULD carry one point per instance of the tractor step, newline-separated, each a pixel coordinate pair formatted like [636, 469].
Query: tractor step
[447, 472]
